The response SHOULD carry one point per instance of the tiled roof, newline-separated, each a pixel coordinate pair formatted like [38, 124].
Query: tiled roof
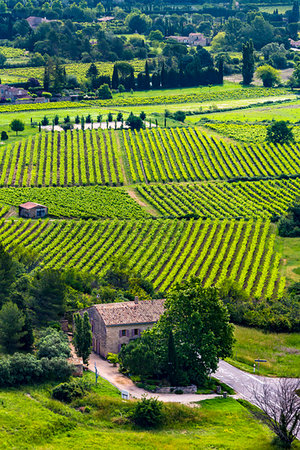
[30, 205]
[145, 311]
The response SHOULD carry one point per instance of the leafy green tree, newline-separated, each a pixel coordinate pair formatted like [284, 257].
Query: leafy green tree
[248, 63]
[180, 116]
[48, 294]
[278, 132]
[172, 360]
[268, 75]
[138, 23]
[17, 125]
[156, 35]
[294, 81]
[92, 71]
[12, 321]
[83, 337]
[104, 92]
[134, 122]
[201, 329]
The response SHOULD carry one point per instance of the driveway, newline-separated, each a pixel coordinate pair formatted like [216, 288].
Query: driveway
[111, 374]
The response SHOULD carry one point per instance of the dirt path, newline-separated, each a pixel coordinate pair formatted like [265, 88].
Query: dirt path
[144, 205]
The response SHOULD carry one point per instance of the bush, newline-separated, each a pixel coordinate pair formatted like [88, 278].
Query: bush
[4, 136]
[148, 413]
[53, 344]
[66, 392]
[179, 115]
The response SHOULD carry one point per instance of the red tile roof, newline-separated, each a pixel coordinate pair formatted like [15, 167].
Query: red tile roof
[30, 205]
[145, 311]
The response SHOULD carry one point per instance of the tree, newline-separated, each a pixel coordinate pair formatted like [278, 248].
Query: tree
[104, 92]
[179, 115]
[4, 136]
[46, 78]
[7, 273]
[280, 408]
[115, 78]
[147, 76]
[17, 125]
[83, 337]
[294, 81]
[143, 115]
[200, 325]
[172, 360]
[12, 321]
[2, 59]
[48, 292]
[248, 62]
[268, 75]
[138, 23]
[92, 71]
[134, 122]
[278, 132]
[156, 35]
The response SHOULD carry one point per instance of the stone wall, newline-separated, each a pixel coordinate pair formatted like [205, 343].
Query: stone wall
[115, 340]
[171, 390]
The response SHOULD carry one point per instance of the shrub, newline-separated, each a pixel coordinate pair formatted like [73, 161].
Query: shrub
[53, 344]
[4, 136]
[66, 392]
[148, 413]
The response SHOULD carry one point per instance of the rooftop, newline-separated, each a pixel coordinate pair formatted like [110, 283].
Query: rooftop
[144, 311]
[30, 205]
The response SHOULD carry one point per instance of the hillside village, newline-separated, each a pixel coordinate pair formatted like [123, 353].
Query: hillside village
[149, 224]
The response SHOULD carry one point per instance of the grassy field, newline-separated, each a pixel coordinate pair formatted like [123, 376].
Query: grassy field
[289, 248]
[289, 111]
[30, 419]
[282, 352]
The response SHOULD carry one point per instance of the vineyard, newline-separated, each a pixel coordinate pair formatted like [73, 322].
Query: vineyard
[164, 251]
[201, 95]
[189, 155]
[246, 132]
[62, 159]
[223, 200]
[77, 202]
[81, 158]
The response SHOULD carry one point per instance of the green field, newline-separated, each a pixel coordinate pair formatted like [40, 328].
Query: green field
[163, 251]
[30, 419]
[282, 352]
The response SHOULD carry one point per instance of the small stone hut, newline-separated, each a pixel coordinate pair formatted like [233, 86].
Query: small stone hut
[32, 210]
[115, 324]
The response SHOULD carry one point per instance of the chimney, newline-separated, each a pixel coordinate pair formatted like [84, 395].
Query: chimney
[136, 299]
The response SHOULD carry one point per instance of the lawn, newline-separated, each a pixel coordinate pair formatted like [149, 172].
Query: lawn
[282, 352]
[30, 419]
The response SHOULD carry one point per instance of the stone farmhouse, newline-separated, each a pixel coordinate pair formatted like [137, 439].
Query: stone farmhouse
[115, 324]
[193, 39]
[12, 93]
[32, 210]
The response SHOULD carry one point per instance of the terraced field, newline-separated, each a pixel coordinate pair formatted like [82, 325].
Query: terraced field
[164, 251]
[222, 199]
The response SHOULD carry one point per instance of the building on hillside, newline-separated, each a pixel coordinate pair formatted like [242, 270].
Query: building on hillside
[115, 324]
[294, 44]
[34, 21]
[11, 92]
[31, 210]
[193, 39]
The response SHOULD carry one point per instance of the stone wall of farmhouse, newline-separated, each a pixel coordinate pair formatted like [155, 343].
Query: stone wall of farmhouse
[115, 337]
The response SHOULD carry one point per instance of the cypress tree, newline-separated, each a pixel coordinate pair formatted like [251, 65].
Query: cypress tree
[131, 79]
[248, 62]
[220, 70]
[83, 337]
[115, 78]
[172, 360]
[46, 80]
[163, 76]
[147, 76]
